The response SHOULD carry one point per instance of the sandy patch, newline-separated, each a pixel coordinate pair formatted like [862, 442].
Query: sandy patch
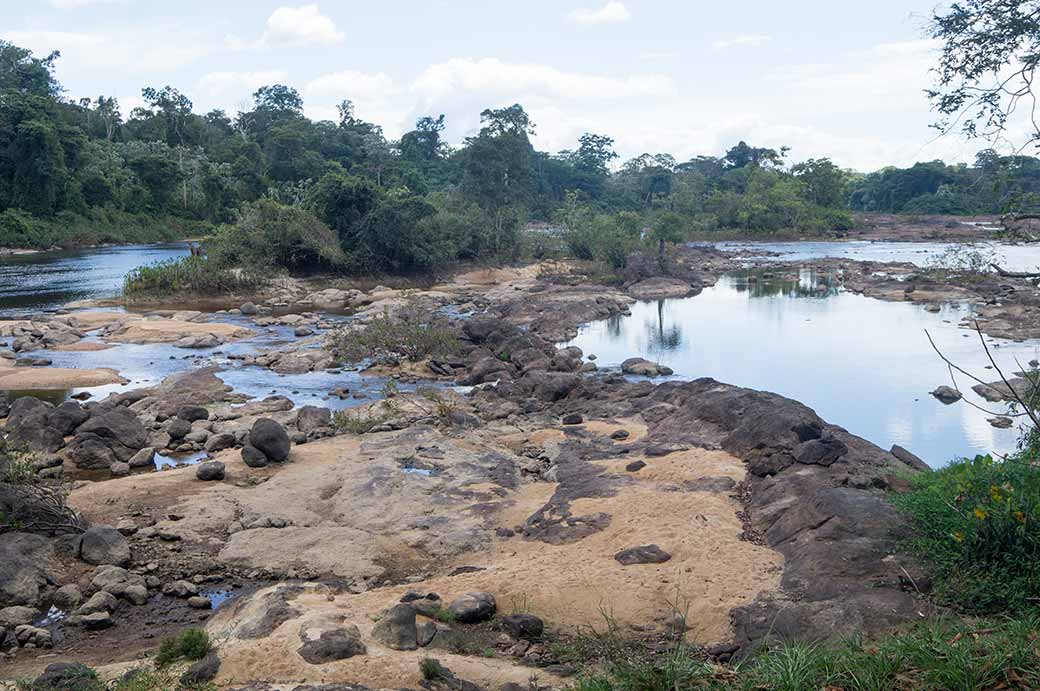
[82, 347]
[32, 378]
[170, 330]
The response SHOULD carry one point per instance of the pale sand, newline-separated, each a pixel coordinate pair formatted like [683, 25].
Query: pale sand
[32, 378]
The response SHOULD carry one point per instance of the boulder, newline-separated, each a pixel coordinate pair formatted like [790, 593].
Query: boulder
[119, 469]
[644, 554]
[121, 583]
[396, 630]
[95, 621]
[248, 309]
[311, 418]
[522, 625]
[201, 672]
[659, 288]
[32, 635]
[946, 394]
[67, 597]
[65, 676]
[338, 644]
[199, 602]
[23, 560]
[253, 457]
[271, 438]
[219, 442]
[178, 429]
[101, 601]
[143, 458]
[473, 608]
[191, 413]
[572, 419]
[644, 368]
[11, 617]
[210, 471]
[91, 452]
[119, 428]
[103, 545]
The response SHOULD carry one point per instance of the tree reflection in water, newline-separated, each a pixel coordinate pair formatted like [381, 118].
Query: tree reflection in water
[763, 283]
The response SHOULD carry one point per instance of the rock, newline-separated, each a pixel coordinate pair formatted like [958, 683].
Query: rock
[67, 598]
[100, 601]
[119, 582]
[644, 368]
[119, 428]
[11, 617]
[659, 288]
[425, 631]
[1000, 422]
[644, 554]
[253, 457]
[119, 469]
[572, 419]
[201, 672]
[619, 435]
[522, 625]
[635, 466]
[143, 458]
[311, 418]
[946, 394]
[248, 309]
[32, 635]
[473, 608]
[90, 452]
[271, 438]
[28, 424]
[396, 630]
[210, 471]
[199, 602]
[178, 429]
[103, 545]
[23, 560]
[67, 417]
[336, 645]
[65, 676]
[202, 341]
[219, 442]
[908, 458]
[95, 621]
[180, 589]
[191, 413]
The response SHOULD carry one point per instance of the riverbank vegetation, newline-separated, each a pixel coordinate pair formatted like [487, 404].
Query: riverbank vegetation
[82, 172]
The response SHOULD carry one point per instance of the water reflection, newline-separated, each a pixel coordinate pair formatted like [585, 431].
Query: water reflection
[860, 363]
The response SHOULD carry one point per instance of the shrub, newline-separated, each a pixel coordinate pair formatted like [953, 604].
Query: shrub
[190, 644]
[188, 275]
[407, 333]
[978, 524]
[30, 504]
[274, 235]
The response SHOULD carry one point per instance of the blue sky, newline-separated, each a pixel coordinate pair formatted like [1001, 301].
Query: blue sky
[834, 79]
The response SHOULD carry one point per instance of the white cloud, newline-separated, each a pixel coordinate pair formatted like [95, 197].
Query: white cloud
[159, 49]
[288, 26]
[492, 76]
[611, 13]
[234, 85]
[751, 40]
[43, 42]
[351, 84]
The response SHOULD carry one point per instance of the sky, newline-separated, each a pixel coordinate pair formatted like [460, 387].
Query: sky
[692, 77]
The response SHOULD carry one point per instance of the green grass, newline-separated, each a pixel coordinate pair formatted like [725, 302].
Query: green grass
[977, 524]
[943, 656]
[190, 644]
[197, 276]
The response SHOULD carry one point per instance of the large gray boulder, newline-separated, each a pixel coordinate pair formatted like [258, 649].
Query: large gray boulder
[473, 608]
[334, 645]
[311, 418]
[396, 630]
[23, 568]
[119, 427]
[104, 545]
[270, 437]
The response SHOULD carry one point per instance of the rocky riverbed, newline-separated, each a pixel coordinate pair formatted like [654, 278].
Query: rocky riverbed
[510, 496]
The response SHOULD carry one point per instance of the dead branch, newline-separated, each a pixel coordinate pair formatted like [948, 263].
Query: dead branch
[1014, 274]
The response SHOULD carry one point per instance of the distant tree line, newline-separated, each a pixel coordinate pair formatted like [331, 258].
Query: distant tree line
[77, 172]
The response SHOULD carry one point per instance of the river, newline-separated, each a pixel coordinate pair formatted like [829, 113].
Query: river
[859, 362]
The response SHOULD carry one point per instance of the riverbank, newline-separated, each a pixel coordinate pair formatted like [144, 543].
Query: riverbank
[563, 494]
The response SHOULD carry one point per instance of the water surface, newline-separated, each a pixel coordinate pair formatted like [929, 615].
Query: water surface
[860, 363]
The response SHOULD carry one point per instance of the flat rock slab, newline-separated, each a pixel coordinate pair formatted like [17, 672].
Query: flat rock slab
[644, 554]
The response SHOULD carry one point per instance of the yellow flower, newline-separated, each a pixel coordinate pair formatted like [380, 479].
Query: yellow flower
[959, 537]
[1020, 517]
[980, 513]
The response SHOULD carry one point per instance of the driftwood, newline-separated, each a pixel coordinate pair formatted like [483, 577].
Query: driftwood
[1009, 221]
[1014, 274]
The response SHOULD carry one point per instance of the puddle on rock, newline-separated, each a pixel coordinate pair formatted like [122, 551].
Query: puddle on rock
[176, 460]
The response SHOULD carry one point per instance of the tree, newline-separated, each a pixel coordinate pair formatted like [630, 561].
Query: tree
[594, 154]
[742, 155]
[342, 201]
[824, 182]
[423, 144]
[990, 53]
[511, 120]
[108, 109]
[667, 228]
[21, 72]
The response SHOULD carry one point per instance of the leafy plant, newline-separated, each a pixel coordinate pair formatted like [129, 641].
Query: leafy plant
[190, 644]
[406, 332]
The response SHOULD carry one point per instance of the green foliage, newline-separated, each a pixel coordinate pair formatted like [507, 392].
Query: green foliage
[190, 644]
[269, 234]
[98, 226]
[978, 525]
[199, 276]
[938, 656]
[408, 332]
